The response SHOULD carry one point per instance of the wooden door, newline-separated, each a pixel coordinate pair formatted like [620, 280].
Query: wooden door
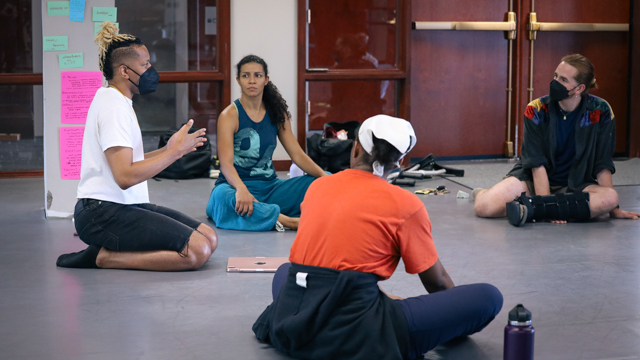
[351, 61]
[459, 82]
[459, 101]
[607, 50]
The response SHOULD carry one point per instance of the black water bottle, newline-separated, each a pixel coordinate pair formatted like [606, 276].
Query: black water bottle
[518, 335]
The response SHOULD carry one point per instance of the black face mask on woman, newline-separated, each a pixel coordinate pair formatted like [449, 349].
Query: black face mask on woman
[557, 91]
[148, 81]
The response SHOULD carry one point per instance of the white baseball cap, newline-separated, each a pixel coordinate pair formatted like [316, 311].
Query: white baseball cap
[397, 132]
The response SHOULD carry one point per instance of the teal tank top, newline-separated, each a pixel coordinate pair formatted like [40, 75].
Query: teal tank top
[253, 147]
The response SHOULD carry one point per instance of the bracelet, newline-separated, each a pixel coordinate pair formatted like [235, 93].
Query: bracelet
[618, 207]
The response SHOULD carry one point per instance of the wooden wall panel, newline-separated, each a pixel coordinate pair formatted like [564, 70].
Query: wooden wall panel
[608, 51]
[634, 124]
[458, 81]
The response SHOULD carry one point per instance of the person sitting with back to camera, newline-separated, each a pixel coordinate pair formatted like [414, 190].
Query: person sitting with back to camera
[248, 195]
[565, 171]
[326, 302]
[113, 214]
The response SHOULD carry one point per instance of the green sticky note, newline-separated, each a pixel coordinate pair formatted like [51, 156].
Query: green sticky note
[105, 14]
[98, 26]
[55, 43]
[74, 60]
[58, 8]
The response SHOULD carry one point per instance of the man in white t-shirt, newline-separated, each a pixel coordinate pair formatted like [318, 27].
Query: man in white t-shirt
[113, 214]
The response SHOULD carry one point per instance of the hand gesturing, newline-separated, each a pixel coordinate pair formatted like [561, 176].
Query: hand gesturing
[183, 143]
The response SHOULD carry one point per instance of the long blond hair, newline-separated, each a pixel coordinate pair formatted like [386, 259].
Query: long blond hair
[113, 47]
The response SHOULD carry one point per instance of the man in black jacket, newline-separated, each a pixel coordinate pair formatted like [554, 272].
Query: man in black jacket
[566, 165]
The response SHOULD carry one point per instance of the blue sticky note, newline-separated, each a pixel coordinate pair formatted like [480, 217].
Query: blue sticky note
[105, 14]
[58, 8]
[55, 43]
[98, 26]
[74, 60]
[76, 10]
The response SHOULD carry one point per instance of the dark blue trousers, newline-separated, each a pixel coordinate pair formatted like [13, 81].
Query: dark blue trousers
[439, 317]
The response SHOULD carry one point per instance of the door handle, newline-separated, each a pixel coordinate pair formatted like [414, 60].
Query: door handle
[509, 27]
[464, 25]
[534, 26]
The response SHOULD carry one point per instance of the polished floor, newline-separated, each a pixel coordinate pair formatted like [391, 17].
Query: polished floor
[580, 281]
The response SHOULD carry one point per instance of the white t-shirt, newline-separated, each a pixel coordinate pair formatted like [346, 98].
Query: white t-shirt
[111, 122]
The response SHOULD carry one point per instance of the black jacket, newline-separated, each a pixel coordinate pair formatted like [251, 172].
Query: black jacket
[339, 315]
[595, 140]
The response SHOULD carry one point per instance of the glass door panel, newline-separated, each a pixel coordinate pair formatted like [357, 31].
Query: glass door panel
[352, 34]
[340, 101]
[179, 37]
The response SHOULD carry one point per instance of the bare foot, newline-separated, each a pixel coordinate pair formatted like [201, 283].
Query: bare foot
[102, 257]
[289, 222]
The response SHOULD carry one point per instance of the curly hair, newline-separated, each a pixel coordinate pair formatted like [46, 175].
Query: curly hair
[114, 47]
[275, 105]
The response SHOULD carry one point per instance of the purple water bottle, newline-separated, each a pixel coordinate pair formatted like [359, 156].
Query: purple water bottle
[518, 335]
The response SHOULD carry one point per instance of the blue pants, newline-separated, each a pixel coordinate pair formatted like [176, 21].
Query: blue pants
[275, 197]
[439, 317]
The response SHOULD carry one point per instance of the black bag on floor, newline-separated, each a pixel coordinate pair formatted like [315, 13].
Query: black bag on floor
[333, 155]
[193, 165]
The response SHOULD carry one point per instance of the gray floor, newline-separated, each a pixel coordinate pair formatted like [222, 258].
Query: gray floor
[581, 282]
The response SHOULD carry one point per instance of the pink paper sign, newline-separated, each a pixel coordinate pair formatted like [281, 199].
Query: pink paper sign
[70, 151]
[77, 91]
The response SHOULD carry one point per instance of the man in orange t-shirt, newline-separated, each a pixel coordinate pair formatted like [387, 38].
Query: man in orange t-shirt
[349, 238]
[354, 229]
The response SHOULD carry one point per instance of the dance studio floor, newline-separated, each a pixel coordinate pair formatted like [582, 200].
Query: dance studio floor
[580, 281]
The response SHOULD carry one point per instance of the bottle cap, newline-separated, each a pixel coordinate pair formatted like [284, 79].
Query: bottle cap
[520, 314]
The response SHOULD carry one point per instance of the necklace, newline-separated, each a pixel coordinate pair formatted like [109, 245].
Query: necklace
[131, 107]
[564, 115]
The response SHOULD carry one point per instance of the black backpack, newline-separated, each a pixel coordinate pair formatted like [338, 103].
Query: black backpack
[193, 165]
[333, 155]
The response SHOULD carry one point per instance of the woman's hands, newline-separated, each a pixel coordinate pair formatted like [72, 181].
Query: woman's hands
[244, 202]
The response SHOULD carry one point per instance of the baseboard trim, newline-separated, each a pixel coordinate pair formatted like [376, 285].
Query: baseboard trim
[21, 174]
[281, 165]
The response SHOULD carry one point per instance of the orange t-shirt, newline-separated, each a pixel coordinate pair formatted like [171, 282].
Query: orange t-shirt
[355, 220]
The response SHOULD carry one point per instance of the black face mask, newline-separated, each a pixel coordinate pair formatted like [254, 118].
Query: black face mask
[148, 81]
[557, 91]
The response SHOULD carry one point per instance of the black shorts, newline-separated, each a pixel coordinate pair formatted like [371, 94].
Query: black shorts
[138, 227]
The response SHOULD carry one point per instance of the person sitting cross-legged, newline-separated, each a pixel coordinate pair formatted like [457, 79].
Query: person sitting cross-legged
[565, 171]
[354, 229]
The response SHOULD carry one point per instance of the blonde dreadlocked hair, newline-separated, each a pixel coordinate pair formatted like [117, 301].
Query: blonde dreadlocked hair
[113, 48]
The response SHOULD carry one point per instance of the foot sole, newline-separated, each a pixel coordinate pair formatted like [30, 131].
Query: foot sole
[516, 213]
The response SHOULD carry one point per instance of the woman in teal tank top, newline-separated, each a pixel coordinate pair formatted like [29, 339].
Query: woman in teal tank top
[248, 195]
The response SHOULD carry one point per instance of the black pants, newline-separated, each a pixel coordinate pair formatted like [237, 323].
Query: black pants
[439, 317]
[138, 227]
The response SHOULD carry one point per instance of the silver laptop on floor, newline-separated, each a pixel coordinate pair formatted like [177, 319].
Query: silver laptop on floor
[255, 264]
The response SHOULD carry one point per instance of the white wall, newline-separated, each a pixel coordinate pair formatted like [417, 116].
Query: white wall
[268, 29]
[60, 195]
